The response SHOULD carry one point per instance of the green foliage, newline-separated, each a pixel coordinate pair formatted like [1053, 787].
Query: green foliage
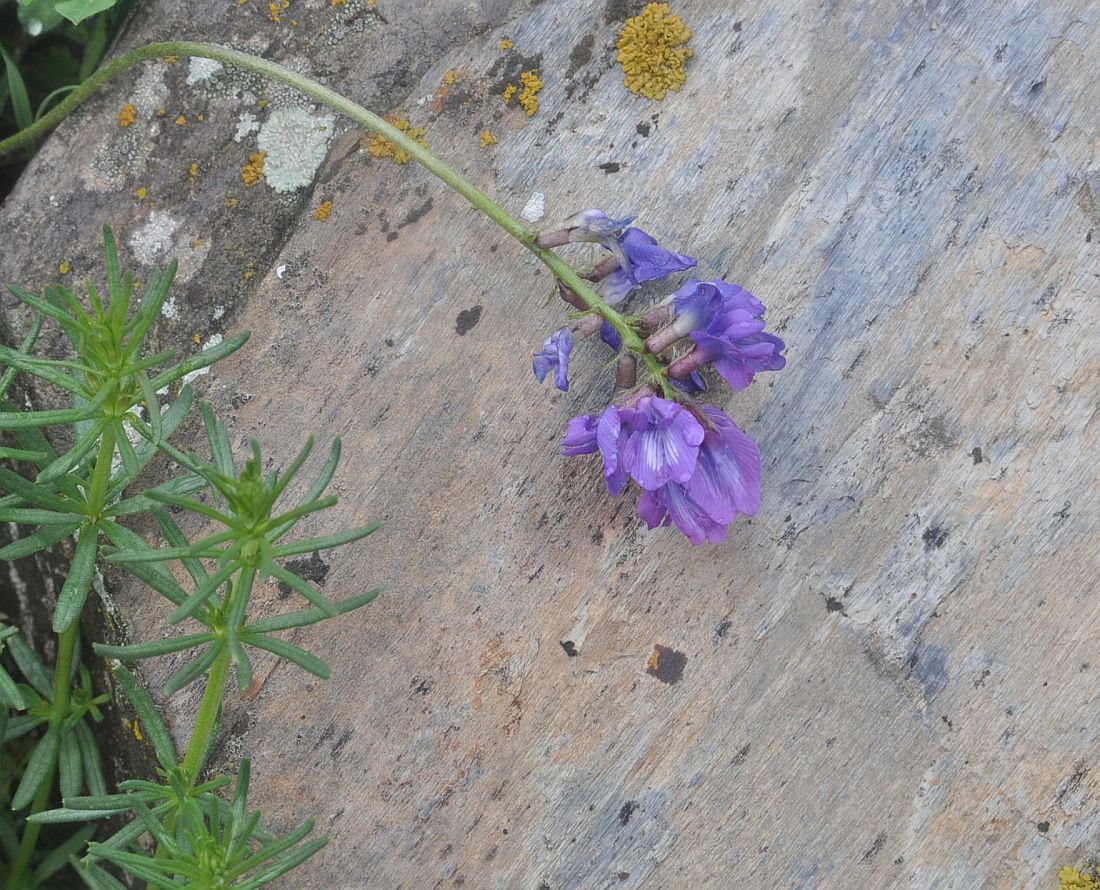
[116, 424]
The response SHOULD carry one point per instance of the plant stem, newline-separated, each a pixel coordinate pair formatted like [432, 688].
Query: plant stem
[207, 721]
[63, 671]
[514, 227]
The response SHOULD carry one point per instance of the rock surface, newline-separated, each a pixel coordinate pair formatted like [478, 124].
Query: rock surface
[887, 678]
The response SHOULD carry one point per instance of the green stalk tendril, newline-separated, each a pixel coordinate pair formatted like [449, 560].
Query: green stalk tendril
[514, 227]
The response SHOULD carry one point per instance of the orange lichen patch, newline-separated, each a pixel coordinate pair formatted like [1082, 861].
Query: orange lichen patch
[323, 211]
[253, 171]
[450, 77]
[339, 2]
[276, 8]
[127, 115]
[232, 202]
[1079, 879]
[654, 661]
[200, 117]
[194, 169]
[197, 338]
[381, 147]
[64, 267]
[509, 92]
[532, 83]
[488, 139]
[506, 45]
[652, 52]
[171, 60]
[161, 112]
[181, 120]
[142, 193]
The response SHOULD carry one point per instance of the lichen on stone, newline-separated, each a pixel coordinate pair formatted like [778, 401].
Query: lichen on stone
[202, 69]
[532, 83]
[253, 171]
[652, 52]
[488, 139]
[1079, 879]
[381, 147]
[323, 211]
[127, 115]
[506, 45]
[509, 92]
[296, 143]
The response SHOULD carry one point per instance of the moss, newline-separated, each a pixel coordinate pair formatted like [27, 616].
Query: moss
[381, 147]
[127, 115]
[253, 171]
[652, 52]
[532, 83]
[323, 211]
[488, 139]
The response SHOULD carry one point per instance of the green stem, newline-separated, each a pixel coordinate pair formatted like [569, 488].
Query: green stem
[63, 670]
[207, 721]
[514, 227]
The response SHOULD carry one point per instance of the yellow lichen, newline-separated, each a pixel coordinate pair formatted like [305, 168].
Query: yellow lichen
[509, 92]
[450, 77]
[381, 147]
[488, 139]
[171, 60]
[127, 115]
[232, 202]
[529, 98]
[181, 120]
[262, 103]
[137, 731]
[200, 117]
[253, 171]
[194, 169]
[64, 267]
[197, 338]
[276, 8]
[652, 53]
[654, 660]
[323, 211]
[506, 45]
[339, 2]
[142, 192]
[1074, 879]
[161, 112]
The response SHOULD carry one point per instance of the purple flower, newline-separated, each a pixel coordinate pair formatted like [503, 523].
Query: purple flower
[580, 436]
[641, 258]
[595, 225]
[555, 356]
[611, 337]
[693, 384]
[726, 323]
[654, 443]
[726, 481]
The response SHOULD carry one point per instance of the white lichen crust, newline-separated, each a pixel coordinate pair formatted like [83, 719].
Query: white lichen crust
[296, 143]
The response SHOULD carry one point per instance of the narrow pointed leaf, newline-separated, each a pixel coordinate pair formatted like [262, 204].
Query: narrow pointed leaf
[67, 322]
[194, 602]
[152, 406]
[149, 716]
[191, 672]
[32, 669]
[34, 516]
[201, 360]
[74, 455]
[166, 646]
[79, 581]
[285, 864]
[20, 726]
[305, 589]
[42, 539]
[70, 766]
[130, 462]
[64, 814]
[58, 857]
[37, 771]
[326, 542]
[156, 291]
[10, 695]
[93, 761]
[34, 492]
[241, 661]
[290, 652]
[175, 537]
[25, 349]
[95, 877]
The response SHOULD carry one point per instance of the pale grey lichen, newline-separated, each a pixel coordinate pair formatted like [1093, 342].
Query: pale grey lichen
[150, 91]
[202, 69]
[246, 125]
[296, 143]
[153, 240]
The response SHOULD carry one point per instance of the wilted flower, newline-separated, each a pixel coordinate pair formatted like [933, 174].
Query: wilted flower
[555, 356]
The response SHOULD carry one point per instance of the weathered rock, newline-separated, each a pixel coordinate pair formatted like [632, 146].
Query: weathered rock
[884, 679]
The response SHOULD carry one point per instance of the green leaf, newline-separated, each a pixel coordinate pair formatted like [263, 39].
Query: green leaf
[33, 516]
[10, 695]
[175, 537]
[79, 581]
[93, 762]
[152, 406]
[149, 716]
[153, 574]
[17, 420]
[191, 672]
[32, 669]
[37, 493]
[310, 616]
[166, 646]
[285, 864]
[95, 877]
[326, 542]
[126, 451]
[40, 540]
[45, 370]
[74, 455]
[305, 589]
[78, 10]
[154, 295]
[203, 359]
[269, 851]
[198, 599]
[20, 454]
[20, 726]
[240, 660]
[59, 856]
[25, 349]
[70, 766]
[37, 772]
[20, 101]
[290, 652]
[47, 307]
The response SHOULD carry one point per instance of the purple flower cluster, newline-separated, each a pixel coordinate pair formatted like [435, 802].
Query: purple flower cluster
[696, 468]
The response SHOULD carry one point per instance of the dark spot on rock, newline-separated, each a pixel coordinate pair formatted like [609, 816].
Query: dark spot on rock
[388, 341]
[493, 248]
[1038, 86]
[741, 755]
[312, 569]
[1043, 827]
[466, 320]
[345, 737]
[622, 875]
[736, 27]
[1000, 53]
[920, 68]
[723, 629]
[982, 678]
[610, 167]
[421, 687]
[570, 648]
[508, 68]
[491, 855]
[832, 604]
[241, 398]
[876, 846]
[667, 665]
[621, 10]
[642, 129]
[580, 55]
[934, 537]
[416, 215]
[326, 734]
[391, 237]
[1063, 514]
[627, 811]
[535, 574]
[977, 455]
[597, 536]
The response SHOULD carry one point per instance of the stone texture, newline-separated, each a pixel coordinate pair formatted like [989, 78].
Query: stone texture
[887, 677]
